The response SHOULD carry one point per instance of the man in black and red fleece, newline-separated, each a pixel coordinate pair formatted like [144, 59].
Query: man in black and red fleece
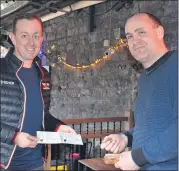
[24, 99]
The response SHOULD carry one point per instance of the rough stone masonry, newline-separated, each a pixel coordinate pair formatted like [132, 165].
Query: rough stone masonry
[108, 89]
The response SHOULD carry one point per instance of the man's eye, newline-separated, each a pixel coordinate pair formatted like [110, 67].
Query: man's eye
[129, 37]
[37, 36]
[24, 36]
[141, 32]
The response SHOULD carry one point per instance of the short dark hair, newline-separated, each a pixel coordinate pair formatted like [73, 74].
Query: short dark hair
[154, 19]
[25, 16]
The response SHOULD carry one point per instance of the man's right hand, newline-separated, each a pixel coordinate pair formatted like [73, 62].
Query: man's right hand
[25, 140]
[114, 143]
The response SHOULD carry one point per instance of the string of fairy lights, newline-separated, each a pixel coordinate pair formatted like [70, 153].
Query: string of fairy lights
[112, 50]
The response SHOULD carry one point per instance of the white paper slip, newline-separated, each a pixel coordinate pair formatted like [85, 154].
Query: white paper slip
[58, 138]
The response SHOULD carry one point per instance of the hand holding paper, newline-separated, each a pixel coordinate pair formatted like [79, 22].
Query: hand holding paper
[66, 129]
[58, 138]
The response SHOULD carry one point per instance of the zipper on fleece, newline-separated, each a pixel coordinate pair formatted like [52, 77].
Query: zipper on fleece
[23, 116]
[43, 122]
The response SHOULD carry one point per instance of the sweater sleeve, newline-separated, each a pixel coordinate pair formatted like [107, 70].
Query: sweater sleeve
[51, 123]
[129, 135]
[161, 148]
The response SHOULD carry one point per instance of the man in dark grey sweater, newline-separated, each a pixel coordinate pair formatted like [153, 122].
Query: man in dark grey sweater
[154, 139]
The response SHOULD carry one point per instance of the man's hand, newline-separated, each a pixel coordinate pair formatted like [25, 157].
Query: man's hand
[114, 143]
[126, 162]
[66, 129]
[25, 140]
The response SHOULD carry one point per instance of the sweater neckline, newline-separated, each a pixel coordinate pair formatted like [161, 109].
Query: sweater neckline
[160, 61]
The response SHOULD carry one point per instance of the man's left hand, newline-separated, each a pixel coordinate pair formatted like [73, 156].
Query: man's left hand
[126, 162]
[66, 129]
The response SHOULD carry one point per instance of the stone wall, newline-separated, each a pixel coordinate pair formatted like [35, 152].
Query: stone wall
[104, 90]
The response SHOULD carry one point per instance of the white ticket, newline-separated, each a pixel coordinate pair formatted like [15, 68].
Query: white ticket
[58, 138]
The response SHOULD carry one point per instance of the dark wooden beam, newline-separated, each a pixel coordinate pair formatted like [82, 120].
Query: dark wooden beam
[91, 18]
[6, 21]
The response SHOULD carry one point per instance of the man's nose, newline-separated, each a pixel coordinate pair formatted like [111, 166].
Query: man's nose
[135, 39]
[31, 41]
[135, 42]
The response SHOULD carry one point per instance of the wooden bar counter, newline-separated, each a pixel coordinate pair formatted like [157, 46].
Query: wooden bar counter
[97, 164]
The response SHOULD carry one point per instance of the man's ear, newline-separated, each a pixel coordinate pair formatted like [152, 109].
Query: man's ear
[12, 37]
[160, 32]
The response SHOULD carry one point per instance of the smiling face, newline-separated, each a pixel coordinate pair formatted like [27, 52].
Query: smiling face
[27, 39]
[144, 38]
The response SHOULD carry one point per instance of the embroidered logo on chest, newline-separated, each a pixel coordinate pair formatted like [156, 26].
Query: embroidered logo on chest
[45, 86]
[7, 82]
